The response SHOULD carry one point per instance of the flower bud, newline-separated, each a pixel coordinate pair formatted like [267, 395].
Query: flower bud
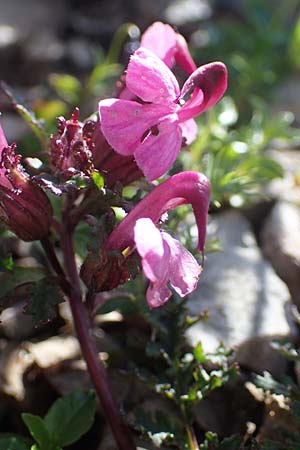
[24, 207]
[114, 167]
[71, 150]
[105, 273]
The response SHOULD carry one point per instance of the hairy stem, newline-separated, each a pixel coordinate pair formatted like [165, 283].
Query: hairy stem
[192, 440]
[89, 350]
[190, 433]
[52, 258]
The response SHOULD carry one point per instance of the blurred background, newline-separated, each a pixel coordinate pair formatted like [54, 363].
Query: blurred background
[258, 40]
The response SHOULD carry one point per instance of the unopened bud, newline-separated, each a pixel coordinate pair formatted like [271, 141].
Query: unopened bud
[114, 167]
[105, 273]
[24, 207]
[71, 151]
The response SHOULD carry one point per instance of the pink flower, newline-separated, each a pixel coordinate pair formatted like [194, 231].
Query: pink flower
[153, 131]
[169, 46]
[115, 168]
[163, 258]
[24, 207]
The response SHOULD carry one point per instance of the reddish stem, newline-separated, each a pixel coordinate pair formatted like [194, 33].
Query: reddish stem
[52, 258]
[89, 350]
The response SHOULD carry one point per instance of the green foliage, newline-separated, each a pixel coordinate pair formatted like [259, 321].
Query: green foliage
[98, 180]
[287, 439]
[177, 374]
[71, 416]
[234, 159]
[28, 116]
[17, 276]
[13, 442]
[33, 284]
[66, 421]
[259, 50]
[234, 174]
[212, 442]
[39, 432]
[6, 262]
[66, 86]
[287, 350]
[44, 296]
[158, 427]
[294, 46]
[101, 72]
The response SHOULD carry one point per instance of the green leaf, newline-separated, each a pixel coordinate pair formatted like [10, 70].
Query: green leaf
[51, 109]
[98, 180]
[287, 350]
[71, 416]
[120, 37]
[199, 354]
[44, 296]
[13, 443]
[267, 383]
[157, 426]
[29, 117]
[231, 443]
[294, 46]
[38, 430]
[67, 87]
[6, 262]
[17, 277]
[99, 74]
[125, 303]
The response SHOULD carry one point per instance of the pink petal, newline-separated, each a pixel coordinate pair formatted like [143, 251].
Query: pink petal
[182, 56]
[157, 295]
[179, 189]
[155, 254]
[184, 270]
[156, 154]
[161, 39]
[150, 246]
[124, 122]
[150, 79]
[189, 130]
[3, 141]
[210, 81]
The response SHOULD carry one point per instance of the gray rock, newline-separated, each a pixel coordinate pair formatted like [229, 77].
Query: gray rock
[34, 16]
[10, 50]
[180, 12]
[40, 53]
[25, 28]
[288, 187]
[287, 97]
[16, 325]
[245, 298]
[15, 127]
[280, 240]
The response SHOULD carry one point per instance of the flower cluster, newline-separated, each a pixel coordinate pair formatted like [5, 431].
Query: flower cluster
[164, 259]
[138, 133]
[154, 128]
[151, 120]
